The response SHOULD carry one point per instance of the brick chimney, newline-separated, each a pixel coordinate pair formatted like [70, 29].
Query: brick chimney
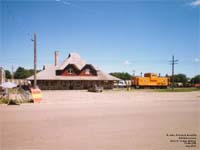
[56, 58]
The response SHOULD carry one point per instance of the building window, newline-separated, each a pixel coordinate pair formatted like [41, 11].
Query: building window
[87, 71]
[46, 83]
[70, 71]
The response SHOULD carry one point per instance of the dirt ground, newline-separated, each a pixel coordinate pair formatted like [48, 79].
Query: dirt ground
[112, 120]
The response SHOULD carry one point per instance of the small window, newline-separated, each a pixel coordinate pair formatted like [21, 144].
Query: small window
[46, 83]
[70, 70]
[87, 71]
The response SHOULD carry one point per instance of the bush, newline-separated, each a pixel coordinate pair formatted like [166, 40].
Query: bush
[3, 101]
[14, 102]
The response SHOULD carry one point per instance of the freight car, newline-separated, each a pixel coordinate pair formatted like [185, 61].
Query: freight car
[150, 80]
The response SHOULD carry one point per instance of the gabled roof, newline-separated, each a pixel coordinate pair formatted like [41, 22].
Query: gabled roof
[90, 65]
[49, 72]
[73, 58]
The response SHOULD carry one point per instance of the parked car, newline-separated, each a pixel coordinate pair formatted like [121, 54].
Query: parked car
[121, 84]
[95, 88]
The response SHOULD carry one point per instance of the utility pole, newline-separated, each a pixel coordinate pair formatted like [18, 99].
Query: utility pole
[12, 73]
[35, 60]
[141, 74]
[133, 73]
[173, 62]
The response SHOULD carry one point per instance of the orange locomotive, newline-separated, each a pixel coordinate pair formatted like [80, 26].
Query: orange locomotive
[150, 80]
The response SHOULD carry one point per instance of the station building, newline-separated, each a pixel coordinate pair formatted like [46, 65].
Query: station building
[72, 73]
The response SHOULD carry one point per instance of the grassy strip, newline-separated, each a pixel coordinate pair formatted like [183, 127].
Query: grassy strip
[157, 90]
[178, 90]
[13, 101]
[3, 101]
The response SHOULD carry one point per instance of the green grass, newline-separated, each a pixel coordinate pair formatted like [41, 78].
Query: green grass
[177, 90]
[159, 90]
[13, 101]
[3, 101]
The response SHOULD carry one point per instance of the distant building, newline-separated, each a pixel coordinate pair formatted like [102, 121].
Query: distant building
[72, 73]
[2, 75]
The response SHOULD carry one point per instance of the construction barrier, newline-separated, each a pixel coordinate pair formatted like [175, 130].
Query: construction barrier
[36, 95]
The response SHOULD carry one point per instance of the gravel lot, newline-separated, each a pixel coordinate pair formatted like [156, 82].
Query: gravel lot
[112, 120]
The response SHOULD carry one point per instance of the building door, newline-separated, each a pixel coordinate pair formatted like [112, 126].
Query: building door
[71, 85]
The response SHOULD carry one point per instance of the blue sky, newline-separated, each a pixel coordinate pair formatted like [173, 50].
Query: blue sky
[120, 35]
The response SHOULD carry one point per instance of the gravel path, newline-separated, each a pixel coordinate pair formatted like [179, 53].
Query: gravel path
[112, 120]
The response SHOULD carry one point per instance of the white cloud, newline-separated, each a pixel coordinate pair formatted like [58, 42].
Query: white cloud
[66, 3]
[126, 62]
[197, 59]
[195, 3]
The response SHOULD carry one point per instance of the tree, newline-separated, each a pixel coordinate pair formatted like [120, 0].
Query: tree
[8, 74]
[22, 73]
[196, 79]
[180, 78]
[122, 75]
